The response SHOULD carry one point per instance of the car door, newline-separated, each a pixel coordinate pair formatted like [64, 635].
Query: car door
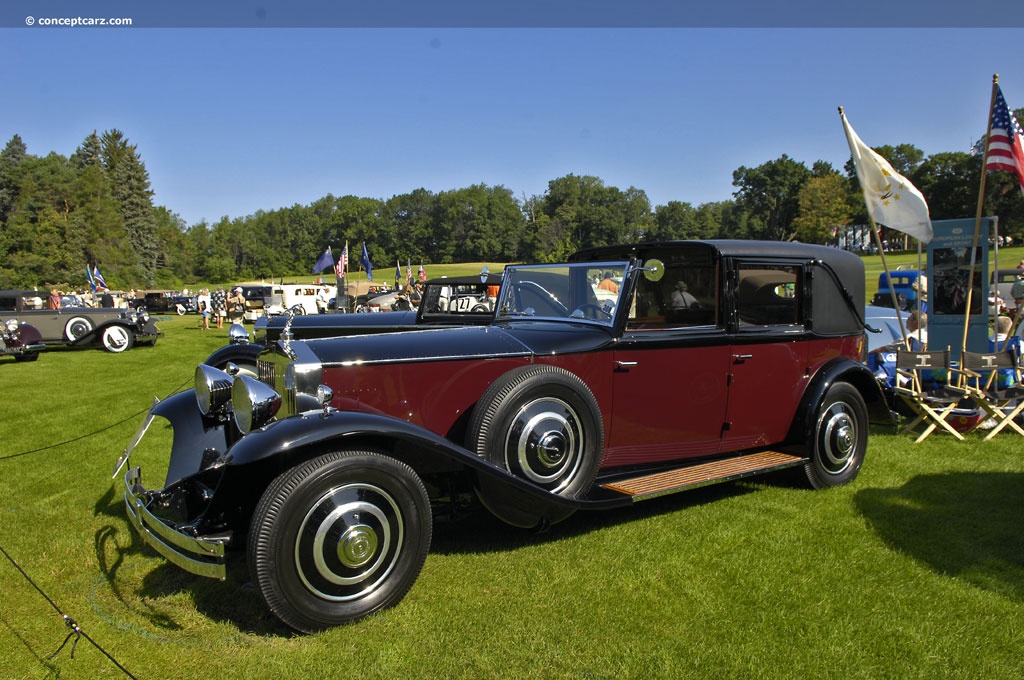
[671, 368]
[767, 366]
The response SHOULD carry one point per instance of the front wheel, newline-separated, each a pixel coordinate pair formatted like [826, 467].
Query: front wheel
[117, 339]
[840, 438]
[339, 537]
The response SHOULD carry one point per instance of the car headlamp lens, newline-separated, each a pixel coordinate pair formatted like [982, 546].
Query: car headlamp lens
[237, 335]
[12, 325]
[213, 389]
[255, 403]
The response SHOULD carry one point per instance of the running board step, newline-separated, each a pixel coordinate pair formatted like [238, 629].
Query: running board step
[703, 474]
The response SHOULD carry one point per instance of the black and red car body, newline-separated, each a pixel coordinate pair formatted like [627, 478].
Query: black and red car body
[596, 384]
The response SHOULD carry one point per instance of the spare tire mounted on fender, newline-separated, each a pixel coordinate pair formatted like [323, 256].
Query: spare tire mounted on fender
[541, 423]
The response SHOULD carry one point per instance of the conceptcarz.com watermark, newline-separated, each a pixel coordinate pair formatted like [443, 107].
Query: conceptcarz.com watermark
[72, 22]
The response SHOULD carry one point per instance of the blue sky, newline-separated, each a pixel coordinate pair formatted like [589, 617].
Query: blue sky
[233, 120]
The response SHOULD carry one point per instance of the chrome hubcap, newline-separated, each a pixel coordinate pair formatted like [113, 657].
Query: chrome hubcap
[545, 443]
[349, 541]
[837, 439]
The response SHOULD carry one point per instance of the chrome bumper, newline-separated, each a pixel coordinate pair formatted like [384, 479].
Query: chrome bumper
[202, 557]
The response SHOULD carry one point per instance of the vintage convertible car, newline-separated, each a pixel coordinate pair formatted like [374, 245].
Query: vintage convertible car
[446, 301]
[328, 468]
[20, 340]
[116, 329]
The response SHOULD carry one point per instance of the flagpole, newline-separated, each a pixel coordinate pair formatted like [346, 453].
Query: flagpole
[977, 215]
[885, 265]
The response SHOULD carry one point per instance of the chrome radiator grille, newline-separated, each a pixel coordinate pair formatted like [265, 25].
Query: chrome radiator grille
[273, 374]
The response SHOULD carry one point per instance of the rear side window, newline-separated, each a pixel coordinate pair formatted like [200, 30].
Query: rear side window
[769, 295]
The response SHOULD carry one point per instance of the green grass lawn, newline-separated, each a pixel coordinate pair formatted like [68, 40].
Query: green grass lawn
[916, 570]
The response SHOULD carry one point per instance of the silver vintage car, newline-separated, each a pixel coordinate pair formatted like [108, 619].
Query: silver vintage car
[115, 329]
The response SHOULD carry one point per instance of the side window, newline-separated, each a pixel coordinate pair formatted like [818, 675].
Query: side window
[768, 295]
[685, 296]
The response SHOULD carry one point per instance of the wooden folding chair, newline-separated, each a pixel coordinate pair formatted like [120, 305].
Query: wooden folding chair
[985, 387]
[930, 386]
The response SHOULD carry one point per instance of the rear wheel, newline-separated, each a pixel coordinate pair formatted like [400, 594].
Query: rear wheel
[77, 327]
[840, 438]
[339, 537]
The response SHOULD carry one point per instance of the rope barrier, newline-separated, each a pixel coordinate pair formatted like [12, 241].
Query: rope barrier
[76, 631]
[91, 434]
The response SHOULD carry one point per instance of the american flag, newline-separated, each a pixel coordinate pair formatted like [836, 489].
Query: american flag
[342, 265]
[1006, 142]
[408, 272]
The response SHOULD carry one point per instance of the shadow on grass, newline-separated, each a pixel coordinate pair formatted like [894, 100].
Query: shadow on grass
[475, 530]
[237, 601]
[965, 525]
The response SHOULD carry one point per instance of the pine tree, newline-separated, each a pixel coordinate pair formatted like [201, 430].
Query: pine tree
[135, 198]
[10, 160]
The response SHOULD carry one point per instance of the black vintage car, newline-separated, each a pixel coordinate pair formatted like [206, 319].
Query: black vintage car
[165, 302]
[446, 301]
[115, 329]
[596, 384]
[20, 340]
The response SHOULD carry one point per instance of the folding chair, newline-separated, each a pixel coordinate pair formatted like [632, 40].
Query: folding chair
[1001, 402]
[925, 382]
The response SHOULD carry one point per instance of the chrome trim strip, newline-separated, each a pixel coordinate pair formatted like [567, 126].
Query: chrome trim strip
[194, 555]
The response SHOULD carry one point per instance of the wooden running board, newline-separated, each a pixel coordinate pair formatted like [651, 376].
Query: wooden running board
[703, 474]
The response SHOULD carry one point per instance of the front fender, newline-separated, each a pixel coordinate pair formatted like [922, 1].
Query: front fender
[234, 353]
[312, 433]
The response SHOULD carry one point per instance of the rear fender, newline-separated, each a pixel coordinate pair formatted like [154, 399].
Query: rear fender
[840, 369]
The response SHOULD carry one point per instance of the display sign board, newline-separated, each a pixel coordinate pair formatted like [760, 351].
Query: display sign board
[949, 270]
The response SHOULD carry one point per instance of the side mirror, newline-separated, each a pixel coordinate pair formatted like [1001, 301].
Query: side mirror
[653, 270]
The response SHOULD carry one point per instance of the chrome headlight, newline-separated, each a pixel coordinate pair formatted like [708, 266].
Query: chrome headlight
[237, 335]
[255, 403]
[213, 389]
[12, 325]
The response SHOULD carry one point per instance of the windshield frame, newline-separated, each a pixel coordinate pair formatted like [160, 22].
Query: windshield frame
[565, 292]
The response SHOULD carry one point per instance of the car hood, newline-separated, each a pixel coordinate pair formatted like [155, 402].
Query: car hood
[328, 325]
[887, 321]
[521, 338]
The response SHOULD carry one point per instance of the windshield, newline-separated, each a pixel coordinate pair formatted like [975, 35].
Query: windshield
[587, 291]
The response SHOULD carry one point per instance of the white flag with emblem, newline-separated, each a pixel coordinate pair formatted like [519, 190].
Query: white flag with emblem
[890, 197]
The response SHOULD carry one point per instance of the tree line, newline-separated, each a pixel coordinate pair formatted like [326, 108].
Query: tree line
[59, 214]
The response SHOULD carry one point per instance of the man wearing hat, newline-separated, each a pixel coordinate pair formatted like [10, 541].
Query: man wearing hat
[236, 305]
[1017, 290]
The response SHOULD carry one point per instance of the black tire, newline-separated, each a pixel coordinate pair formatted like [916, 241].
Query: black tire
[117, 339]
[541, 423]
[77, 327]
[839, 438]
[339, 537]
